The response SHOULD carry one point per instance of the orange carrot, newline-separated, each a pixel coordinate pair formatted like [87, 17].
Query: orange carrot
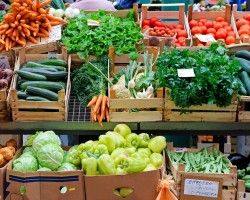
[46, 2]
[18, 17]
[103, 108]
[2, 41]
[32, 39]
[107, 114]
[7, 44]
[54, 23]
[26, 32]
[93, 101]
[42, 11]
[21, 42]
[13, 25]
[42, 30]
[98, 103]
[9, 31]
[14, 33]
[4, 26]
[2, 31]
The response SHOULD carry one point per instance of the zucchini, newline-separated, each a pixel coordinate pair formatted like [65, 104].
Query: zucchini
[247, 185]
[245, 178]
[244, 77]
[42, 93]
[59, 75]
[245, 64]
[36, 98]
[35, 65]
[54, 86]
[31, 76]
[28, 69]
[56, 62]
[21, 95]
[243, 54]
[243, 90]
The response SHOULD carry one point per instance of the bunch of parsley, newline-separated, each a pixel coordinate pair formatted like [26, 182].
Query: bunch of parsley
[215, 79]
[121, 33]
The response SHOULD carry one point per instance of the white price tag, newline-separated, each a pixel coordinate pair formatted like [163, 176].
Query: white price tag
[4, 62]
[52, 55]
[180, 150]
[93, 22]
[55, 33]
[205, 38]
[202, 188]
[185, 73]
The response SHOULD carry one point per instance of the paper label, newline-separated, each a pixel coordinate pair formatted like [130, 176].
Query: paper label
[202, 188]
[180, 149]
[4, 62]
[205, 38]
[55, 33]
[93, 22]
[52, 55]
[185, 73]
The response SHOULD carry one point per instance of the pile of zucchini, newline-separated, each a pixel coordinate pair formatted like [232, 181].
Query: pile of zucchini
[244, 174]
[243, 57]
[41, 80]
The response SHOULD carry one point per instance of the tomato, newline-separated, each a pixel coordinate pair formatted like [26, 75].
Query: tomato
[217, 25]
[153, 20]
[209, 24]
[228, 28]
[152, 33]
[230, 40]
[182, 33]
[224, 23]
[193, 23]
[247, 17]
[220, 19]
[158, 24]
[180, 26]
[243, 31]
[145, 27]
[220, 34]
[145, 22]
[196, 30]
[244, 37]
[200, 24]
[230, 33]
[245, 28]
[203, 29]
[177, 44]
[241, 22]
[181, 39]
[162, 32]
[211, 30]
[203, 21]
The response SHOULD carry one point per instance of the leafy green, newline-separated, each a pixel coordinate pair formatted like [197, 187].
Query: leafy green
[215, 76]
[121, 33]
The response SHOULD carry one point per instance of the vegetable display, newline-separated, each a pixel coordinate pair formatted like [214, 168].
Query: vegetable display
[215, 80]
[154, 27]
[204, 6]
[5, 78]
[26, 22]
[205, 161]
[218, 28]
[244, 174]
[243, 57]
[85, 40]
[7, 152]
[41, 81]
[243, 26]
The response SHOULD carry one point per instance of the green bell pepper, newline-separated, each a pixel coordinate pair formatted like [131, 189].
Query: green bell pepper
[156, 159]
[106, 165]
[157, 144]
[144, 139]
[90, 166]
[109, 141]
[133, 140]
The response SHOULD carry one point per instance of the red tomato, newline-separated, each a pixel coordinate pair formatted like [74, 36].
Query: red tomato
[217, 25]
[230, 33]
[152, 33]
[158, 24]
[181, 39]
[228, 28]
[244, 37]
[243, 31]
[220, 34]
[182, 33]
[247, 17]
[203, 29]
[220, 19]
[224, 23]
[180, 26]
[211, 30]
[196, 30]
[209, 24]
[203, 21]
[200, 24]
[230, 40]
[193, 23]
[145, 27]
[153, 20]
[241, 22]
[145, 22]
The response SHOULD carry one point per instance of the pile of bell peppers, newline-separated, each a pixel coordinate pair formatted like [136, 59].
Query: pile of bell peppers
[119, 152]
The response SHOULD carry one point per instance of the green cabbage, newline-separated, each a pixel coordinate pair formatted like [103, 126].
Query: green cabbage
[67, 167]
[44, 169]
[29, 150]
[43, 138]
[25, 163]
[50, 156]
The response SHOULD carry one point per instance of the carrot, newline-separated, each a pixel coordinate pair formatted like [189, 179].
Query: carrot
[22, 34]
[32, 39]
[18, 17]
[104, 101]
[7, 44]
[9, 18]
[9, 31]
[14, 33]
[54, 23]
[93, 101]
[13, 25]
[4, 26]
[42, 11]
[52, 18]
[2, 47]
[2, 31]
[19, 28]
[34, 8]
[107, 102]
[29, 2]
[2, 41]
[26, 32]
[42, 30]
[99, 119]
[3, 37]
[107, 114]
[46, 2]
[98, 103]
[20, 42]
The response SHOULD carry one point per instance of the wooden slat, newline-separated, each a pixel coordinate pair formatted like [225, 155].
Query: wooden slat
[38, 116]
[3, 105]
[244, 116]
[38, 105]
[163, 14]
[136, 103]
[3, 95]
[136, 116]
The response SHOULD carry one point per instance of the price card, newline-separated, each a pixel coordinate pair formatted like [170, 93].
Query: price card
[201, 188]
[180, 149]
[4, 62]
[55, 33]
[93, 22]
[205, 38]
[185, 73]
[52, 55]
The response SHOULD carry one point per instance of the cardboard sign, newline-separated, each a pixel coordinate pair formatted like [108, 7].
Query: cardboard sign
[185, 73]
[55, 33]
[200, 188]
[205, 38]
[4, 62]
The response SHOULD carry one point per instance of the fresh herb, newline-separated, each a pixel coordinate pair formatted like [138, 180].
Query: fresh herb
[121, 33]
[215, 76]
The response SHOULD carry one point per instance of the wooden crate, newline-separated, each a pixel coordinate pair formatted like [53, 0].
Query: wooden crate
[244, 109]
[241, 191]
[179, 16]
[228, 181]
[149, 109]
[204, 112]
[212, 15]
[39, 110]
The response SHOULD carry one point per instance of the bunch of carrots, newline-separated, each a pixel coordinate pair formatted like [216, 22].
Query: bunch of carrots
[27, 21]
[99, 108]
